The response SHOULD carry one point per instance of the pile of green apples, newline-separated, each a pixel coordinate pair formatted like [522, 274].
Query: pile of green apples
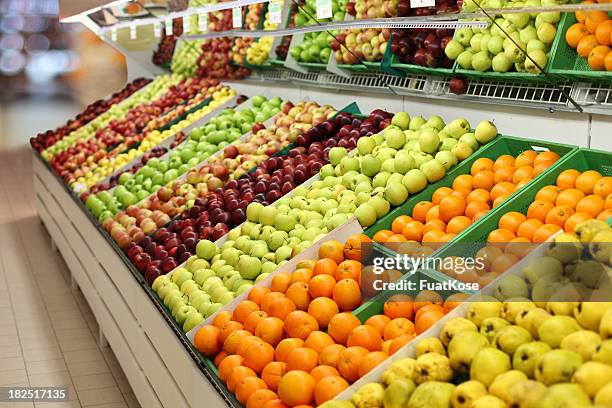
[153, 91]
[401, 160]
[316, 47]
[185, 56]
[515, 42]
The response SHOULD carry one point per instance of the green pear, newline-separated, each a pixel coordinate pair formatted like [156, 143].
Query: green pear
[541, 267]
[511, 287]
[463, 347]
[526, 356]
[479, 311]
[487, 364]
[488, 401]
[603, 352]
[557, 366]
[402, 368]
[454, 326]
[593, 376]
[370, 395]
[491, 326]
[525, 394]
[432, 394]
[564, 396]
[467, 392]
[509, 338]
[532, 319]
[430, 345]
[432, 367]
[583, 342]
[503, 382]
[398, 393]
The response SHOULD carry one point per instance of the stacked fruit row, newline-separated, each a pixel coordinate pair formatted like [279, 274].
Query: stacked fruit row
[259, 51]
[203, 142]
[212, 216]
[185, 57]
[43, 141]
[85, 177]
[67, 145]
[251, 22]
[591, 37]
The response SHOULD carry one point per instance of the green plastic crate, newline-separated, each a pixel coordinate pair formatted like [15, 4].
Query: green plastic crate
[476, 235]
[566, 62]
[418, 69]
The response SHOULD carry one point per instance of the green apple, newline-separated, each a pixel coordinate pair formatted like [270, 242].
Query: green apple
[380, 205]
[527, 34]
[453, 49]
[192, 320]
[181, 275]
[485, 132]
[282, 254]
[277, 239]
[536, 44]
[396, 194]
[495, 45]
[414, 181]
[182, 312]
[457, 128]
[518, 20]
[434, 122]
[416, 122]
[464, 35]
[249, 267]
[403, 162]
[366, 215]
[536, 57]
[465, 59]
[388, 166]
[253, 210]
[546, 33]
[365, 145]
[471, 140]
[433, 170]
[327, 170]
[551, 17]
[447, 158]
[429, 141]
[481, 61]
[370, 165]
[394, 137]
[462, 151]
[206, 249]
[267, 215]
[160, 282]
[401, 120]
[513, 51]
[380, 180]
[475, 42]
[447, 144]
[348, 164]
[336, 154]
[501, 63]
[189, 286]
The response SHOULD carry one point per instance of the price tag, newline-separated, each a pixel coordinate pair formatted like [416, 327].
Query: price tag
[203, 22]
[157, 29]
[237, 17]
[186, 24]
[114, 34]
[132, 32]
[274, 12]
[324, 8]
[168, 27]
[422, 3]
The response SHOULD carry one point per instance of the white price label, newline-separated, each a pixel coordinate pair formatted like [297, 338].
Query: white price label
[169, 27]
[203, 22]
[274, 12]
[324, 8]
[132, 32]
[237, 17]
[186, 24]
[157, 29]
[114, 34]
[422, 3]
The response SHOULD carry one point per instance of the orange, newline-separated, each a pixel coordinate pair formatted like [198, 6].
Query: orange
[591, 204]
[285, 346]
[347, 294]
[413, 231]
[603, 187]
[608, 202]
[227, 329]
[500, 236]
[222, 317]
[270, 330]
[548, 193]
[570, 197]
[280, 308]
[499, 200]
[322, 371]
[354, 244]
[433, 213]
[603, 32]
[436, 224]
[474, 208]
[341, 325]
[257, 355]
[594, 18]
[237, 375]
[318, 340]
[323, 309]
[231, 343]
[365, 336]
[382, 236]
[277, 403]
[321, 286]
[519, 246]
[207, 341]
[545, 232]
[526, 158]
[567, 178]
[400, 341]
[608, 60]
[479, 194]
[597, 57]
[451, 207]
[581, 15]
[398, 327]
[575, 33]
[483, 179]
[482, 164]
[324, 266]
[247, 387]
[348, 270]
[299, 295]
[522, 173]
[332, 249]
[528, 228]
[301, 275]
[280, 282]
[439, 194]
[505, 160]
[331, 354]
[511, 221]
[257, 293]
[300, 324]
[559, 215]
[420, 210]
[433, 236]
[585, 45]
[260, 397]
[398, 306]
[545, 157]
[587, 180]
[328, 387]
[576, 219]
[426, 298]
[503, 262]
[487, 254]
[605, 215]
[503, 174]
[227, 365]
[396, 238]
[427, 319]
[541, 166]
[369, 362]
[349, 360]
[302, 358]
[399, 223]
[219, 358]
[296, 387]
[243, 309]
[458, 224]
[502, 189]
[462, 182]
[538, 210]
[379, 322]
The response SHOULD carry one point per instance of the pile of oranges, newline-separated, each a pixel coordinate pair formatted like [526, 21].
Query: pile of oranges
[591, 37]
[451, 210]
[297, 344]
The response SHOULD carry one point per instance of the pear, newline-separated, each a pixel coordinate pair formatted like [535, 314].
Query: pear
[592, 376]
[432, 394]
[591, 274]
[487, 364]
[525, 394]
[600, 246]
[587, 230]
[465, 393]
[402, 368]
[454, 326]
[532, 320]
[542, 267]
[589, 314]
[429, 345]
[503, 382]
[509, 338]
[603, 352]
[566, 248]
[510, 287]
[564, 396]
[463, 347]
[398, 393]
[514, 307]
[526, 356]
[583, 342]
[544, 289]
[605, 324]
[561, 308]
[557, 366]
[369, 396]
[553, 330]
[432, 367]
[337, 404]
[604, 396]
[491, 326]
[478, 311]
[488, 401]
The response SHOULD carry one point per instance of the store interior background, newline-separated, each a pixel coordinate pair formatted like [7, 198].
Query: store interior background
[49, 71]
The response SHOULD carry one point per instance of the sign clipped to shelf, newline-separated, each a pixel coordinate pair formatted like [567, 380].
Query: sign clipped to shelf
[274, 12]
[114, 34]
[168, 24]
[422, 3]
[324, 8]
[157, 27]
[132, 32]
[203, 22]
[237, 17]
[186, 24]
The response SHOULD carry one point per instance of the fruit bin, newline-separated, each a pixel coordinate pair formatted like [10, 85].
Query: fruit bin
[391, 65]
[566, 62]
[476, 235]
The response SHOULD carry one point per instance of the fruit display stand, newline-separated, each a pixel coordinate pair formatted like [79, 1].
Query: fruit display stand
[566, 62]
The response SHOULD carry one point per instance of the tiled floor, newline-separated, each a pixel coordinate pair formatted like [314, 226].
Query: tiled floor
[47, 332]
